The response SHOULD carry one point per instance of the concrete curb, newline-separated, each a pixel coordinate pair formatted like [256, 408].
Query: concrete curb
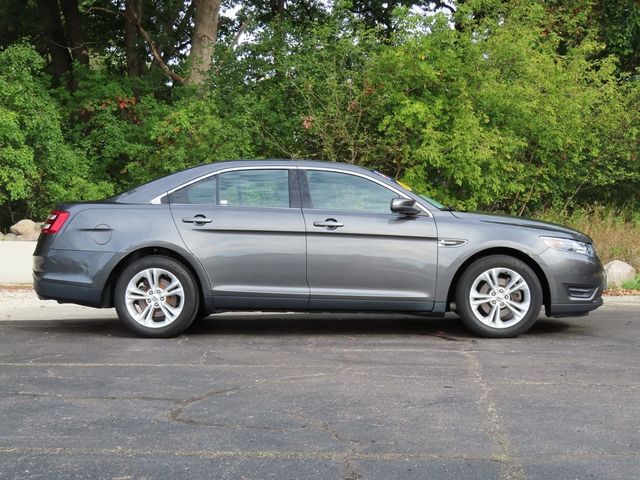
[621, 299]
[16, 262]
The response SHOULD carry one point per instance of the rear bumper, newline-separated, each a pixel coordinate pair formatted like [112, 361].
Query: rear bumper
[73, 276]
[67, 293]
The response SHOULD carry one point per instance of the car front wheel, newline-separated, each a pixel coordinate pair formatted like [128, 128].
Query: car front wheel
[156, 297]
[499, 296]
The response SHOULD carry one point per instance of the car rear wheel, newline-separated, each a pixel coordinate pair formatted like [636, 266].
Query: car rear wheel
[156, 297]
[499, 296]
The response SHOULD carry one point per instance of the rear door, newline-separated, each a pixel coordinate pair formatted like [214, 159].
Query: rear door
[360, 255]
[246, 228]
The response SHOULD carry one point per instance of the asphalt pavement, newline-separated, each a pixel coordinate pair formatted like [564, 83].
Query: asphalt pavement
[316, 396]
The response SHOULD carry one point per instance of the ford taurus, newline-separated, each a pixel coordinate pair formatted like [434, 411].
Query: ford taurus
[307, 236]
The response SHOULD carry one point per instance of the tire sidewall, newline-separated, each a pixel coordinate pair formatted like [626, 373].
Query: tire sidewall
[471, 274]
[191, 298]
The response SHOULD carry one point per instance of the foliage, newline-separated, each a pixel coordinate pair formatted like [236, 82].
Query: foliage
[505, 105]
[632, 284]
[615, 233]
[38, 168]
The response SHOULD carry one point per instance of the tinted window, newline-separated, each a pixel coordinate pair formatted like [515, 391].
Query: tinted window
[340, 191]
[254, 188]
[202, 192]
[241, 188]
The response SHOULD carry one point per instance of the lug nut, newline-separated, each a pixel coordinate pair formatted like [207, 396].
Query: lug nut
[162, 298]
[148, 300]
[157, 305]
[501, 304]
[157, 291]
[493, 293]
[493, 302]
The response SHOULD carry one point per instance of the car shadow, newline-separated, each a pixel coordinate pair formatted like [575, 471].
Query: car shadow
[329, 324]
[449, 327]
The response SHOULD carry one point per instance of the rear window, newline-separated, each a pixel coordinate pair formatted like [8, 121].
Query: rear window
[239, 188]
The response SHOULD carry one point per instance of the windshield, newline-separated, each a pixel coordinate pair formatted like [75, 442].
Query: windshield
[433, 202]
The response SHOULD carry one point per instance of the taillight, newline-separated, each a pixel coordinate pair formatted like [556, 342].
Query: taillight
[56, 220]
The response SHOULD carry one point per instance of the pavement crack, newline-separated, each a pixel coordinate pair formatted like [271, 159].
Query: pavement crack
[445, 337]
[60, 396]
[42, 357]
[177, 413]
[352, 453]
[512, 468]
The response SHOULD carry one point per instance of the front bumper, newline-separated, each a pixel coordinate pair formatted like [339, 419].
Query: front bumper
[576, 283]
[573, 309]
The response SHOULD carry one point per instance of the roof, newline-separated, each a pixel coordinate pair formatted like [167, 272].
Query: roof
[144, 193]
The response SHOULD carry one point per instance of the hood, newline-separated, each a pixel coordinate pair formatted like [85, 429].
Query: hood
[546, 228]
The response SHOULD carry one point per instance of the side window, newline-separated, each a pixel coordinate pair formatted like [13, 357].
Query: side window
[241, 188]
[254, 188]
[201, 193]
[341, 191]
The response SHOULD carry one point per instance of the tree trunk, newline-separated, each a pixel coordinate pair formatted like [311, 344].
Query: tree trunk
[135, 65]
[75, 33]
[53, 34]
[204, 40]
[277, 7]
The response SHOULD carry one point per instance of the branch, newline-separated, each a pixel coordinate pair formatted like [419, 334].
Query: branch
[243, 28]
[441, 4]
[157, 57]
[134, 19]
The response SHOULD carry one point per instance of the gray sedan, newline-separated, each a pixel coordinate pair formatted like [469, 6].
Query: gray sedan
[307, 236]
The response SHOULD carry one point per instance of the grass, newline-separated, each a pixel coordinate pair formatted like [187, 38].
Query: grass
[632, 284]
[615, 234]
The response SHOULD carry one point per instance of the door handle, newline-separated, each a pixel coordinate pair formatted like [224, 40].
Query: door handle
[198, 220]
[329, 224]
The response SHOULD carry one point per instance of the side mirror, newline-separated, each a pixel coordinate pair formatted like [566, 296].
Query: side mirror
[404, 206]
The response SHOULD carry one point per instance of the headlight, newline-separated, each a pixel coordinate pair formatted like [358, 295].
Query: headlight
[569, 245]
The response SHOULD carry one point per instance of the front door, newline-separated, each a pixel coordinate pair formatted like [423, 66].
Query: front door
[245, 228]
[360, 255]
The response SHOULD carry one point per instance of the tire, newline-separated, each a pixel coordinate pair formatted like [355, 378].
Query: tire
[499, 296]
[163, 311]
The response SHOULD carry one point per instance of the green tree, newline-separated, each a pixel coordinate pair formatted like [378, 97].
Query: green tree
[37, 167]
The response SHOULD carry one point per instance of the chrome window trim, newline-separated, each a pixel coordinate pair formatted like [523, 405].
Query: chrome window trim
[367, 177]
[157, 200]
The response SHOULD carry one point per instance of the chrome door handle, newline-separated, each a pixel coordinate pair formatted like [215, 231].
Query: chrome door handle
[329, 224]
[198, 220]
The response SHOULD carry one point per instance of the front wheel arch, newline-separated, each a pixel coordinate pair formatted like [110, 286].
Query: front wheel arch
[542, 278]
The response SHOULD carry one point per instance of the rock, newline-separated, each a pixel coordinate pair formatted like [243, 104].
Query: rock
[618, 272]
[24, 227]
[26, 230]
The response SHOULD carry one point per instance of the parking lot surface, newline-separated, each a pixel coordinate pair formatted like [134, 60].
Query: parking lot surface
[293, 396]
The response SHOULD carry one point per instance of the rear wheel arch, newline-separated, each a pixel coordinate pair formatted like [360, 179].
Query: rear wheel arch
[542, 278]
[108, 290]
